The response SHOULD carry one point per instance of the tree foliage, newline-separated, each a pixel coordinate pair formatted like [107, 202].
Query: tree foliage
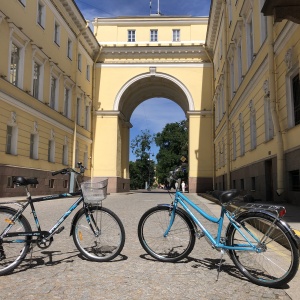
[142, 170]
[173, 144]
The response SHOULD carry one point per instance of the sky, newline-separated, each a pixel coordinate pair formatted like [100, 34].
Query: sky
[154, 113]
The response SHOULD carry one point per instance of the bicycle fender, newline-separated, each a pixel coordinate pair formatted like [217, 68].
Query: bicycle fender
[286, 226]
[75, 218]
[186, 215]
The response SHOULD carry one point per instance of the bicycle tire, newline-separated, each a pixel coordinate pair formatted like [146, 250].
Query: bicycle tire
[179, 242]
[12, 253]
[278, 262]
[110, 238]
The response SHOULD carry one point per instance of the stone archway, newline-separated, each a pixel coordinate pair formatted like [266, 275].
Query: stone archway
[112, 128]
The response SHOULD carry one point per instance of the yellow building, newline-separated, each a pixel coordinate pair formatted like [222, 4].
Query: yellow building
[142, 58]
[46, 92]
[257, 100]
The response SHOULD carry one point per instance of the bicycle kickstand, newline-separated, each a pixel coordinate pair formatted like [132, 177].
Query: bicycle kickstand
[220, 264]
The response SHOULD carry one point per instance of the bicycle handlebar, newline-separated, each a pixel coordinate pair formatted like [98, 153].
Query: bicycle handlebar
[70, 170]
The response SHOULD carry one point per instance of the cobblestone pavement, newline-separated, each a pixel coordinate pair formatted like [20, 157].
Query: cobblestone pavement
[59, 272]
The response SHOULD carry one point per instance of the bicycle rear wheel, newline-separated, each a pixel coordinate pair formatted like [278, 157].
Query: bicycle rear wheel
[278, 260]
[109, 238]
[12, 249]
[179, 242]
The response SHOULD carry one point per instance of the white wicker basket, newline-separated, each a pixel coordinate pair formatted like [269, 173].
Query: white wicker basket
[95, 190]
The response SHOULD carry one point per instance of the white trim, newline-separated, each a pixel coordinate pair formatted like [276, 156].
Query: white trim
[148, 75]
[167, 65]
[12, 101]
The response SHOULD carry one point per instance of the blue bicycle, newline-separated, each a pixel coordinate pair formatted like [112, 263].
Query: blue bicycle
[97, 232]
[261, 245]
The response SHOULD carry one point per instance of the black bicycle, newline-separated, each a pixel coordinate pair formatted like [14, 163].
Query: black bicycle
[98, 233]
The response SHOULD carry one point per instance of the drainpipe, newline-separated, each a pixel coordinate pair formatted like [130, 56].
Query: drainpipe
[72, 175]
[213, 111]
[95, 108]
[275, 117]
[226, 95]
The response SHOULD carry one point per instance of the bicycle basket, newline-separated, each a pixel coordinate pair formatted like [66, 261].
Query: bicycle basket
[95, 190]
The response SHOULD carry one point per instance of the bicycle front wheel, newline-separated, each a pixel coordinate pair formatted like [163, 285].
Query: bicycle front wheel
[176, 245]
[276, 262]
[99, 235]
[12, 249]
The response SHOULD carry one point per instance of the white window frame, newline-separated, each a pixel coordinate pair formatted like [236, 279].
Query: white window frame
[253, 131]
[88, 72]
[78, 110]
[263, 24]
[65, 154]
[176, 35]
[153, 35]
[87, 121]
[12, 139]
[79, 62]
[289, 94]
[56, 37]
[34, 146]
[233, 142]
[18, 38]
[54, 73]
[131, 35]
[237, 37]
[51, 147]
[69, 48]
[40, 58]
[41, 14]
[242, 135]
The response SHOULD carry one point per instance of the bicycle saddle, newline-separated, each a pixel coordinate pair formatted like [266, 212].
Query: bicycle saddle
[20, 180]
[225, 196]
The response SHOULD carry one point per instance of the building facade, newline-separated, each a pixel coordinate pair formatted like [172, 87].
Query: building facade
[257, 100]
[46, 92]
[143, 58]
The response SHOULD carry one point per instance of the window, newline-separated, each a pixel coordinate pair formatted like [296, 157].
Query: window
[51, 151]
[252, 126]
[11, 139]
[242, 184]
[240, 62]
[263, 24]
[176, 35]
[77, 153]
[250, 41]
[153, 35]
[51, 183]
[10, 183]
[66, 111]
[65, 184]
[233, 143]
[88, 72]
[36, 80]
[56, 33]
[79, 62]
[296, 98]
[52, 102]
[269, 127]
[14, 65]
[294, 180]
[78, 107]
[34, 139]
[69, 49]
[41, 12]
[87, 117]
[131, 35]
[242, 136]
[65, 157]
[23, 2]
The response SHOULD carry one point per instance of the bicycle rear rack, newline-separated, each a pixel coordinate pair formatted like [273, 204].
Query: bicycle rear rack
[279, 211]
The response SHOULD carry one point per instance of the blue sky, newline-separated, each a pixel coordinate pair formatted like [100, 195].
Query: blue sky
[154, 113]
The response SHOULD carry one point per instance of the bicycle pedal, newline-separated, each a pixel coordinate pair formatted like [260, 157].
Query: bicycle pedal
[59, 230]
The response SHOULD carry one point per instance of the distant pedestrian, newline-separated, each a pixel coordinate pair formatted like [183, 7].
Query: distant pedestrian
[183, 186]
[176, 185]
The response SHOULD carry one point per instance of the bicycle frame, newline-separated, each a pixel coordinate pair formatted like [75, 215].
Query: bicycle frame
[181, 199]
[46, 234]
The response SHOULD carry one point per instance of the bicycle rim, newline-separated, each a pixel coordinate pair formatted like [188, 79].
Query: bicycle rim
[12, 249]
[108, 240]
[178, 243]
[278, 261]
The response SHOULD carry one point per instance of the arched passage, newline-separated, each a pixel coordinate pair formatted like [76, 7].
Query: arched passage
[113, 125]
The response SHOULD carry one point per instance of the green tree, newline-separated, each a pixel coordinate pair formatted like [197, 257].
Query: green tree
[142, 170]
[173, 145]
